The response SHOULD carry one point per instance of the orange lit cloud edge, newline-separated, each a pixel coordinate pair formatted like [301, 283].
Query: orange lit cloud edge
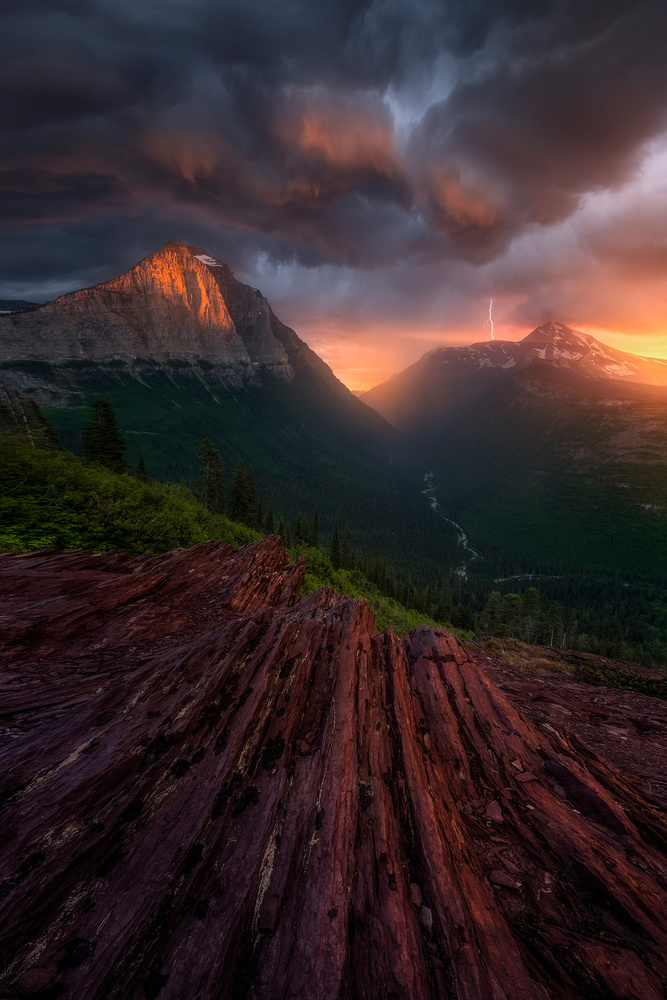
[368, 355]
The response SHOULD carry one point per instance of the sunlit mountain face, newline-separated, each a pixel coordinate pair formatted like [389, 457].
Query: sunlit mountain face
[382, 175]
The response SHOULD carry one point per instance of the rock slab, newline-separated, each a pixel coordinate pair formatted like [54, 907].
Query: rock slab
[214, 788]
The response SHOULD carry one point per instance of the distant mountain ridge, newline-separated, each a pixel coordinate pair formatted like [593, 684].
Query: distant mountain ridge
[553, 448]
[447, 379]
[17, 305]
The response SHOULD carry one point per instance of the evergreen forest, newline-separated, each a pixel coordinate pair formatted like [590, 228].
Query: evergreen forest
[54, 499]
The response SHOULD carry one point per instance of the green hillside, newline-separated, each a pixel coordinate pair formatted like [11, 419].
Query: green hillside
[313, 445]
[539, 479]
[52, 499]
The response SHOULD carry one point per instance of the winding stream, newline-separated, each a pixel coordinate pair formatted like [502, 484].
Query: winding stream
[471, 553]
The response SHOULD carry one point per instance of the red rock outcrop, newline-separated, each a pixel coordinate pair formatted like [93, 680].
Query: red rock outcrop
[214, 788]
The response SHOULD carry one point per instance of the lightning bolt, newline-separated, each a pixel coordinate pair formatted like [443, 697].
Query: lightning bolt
[489, 323]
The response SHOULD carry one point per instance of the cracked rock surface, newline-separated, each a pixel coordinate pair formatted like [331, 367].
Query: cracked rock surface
[213, 788]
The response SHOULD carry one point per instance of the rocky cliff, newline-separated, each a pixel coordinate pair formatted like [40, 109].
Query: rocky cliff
[181, 309]
[179, 303]
[168, 305]
[215, 788]
[269, 342]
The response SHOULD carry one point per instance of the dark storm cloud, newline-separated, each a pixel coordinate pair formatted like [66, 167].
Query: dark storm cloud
[265, 127]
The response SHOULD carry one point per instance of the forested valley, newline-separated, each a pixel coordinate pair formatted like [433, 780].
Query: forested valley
[55, 499]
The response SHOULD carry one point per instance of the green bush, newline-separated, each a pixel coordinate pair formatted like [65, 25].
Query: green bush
[52, 499]
[388, 612]
[55, 500]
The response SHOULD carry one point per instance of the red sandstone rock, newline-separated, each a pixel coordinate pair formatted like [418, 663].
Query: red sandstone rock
[166, 834]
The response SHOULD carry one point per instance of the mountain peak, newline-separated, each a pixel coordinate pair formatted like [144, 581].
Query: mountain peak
[167, 305]
[180, 302]
[558, 334]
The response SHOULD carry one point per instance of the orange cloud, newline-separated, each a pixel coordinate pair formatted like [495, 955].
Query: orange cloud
[321, 131]
[460, 205]
[192, 156]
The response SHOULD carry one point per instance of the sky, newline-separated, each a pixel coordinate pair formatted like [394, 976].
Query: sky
[381, 170]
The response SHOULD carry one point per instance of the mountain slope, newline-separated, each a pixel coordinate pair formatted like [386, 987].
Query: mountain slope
[552, 450]
[560, 472]
[449, 380]
[184, 351]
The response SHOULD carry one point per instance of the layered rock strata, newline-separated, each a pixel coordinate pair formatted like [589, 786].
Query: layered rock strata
[214, 788]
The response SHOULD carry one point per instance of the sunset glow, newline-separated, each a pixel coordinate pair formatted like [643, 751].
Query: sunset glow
[381, 180]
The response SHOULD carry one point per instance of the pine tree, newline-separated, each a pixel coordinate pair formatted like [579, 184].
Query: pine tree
[299, 531]
[408, 592]
[530, 610]
[243, 495]
[212, 482]
[269, 520]
[347, 553]
[235, 498]
[490, 619]
[45, 436]
[141, 473]
[553, 621]
[251, 498]
[335, 550]
[259, 516]
[368, 556]
[510, 615]
[463, 617]
[315, 530]
[444, 608]
[102, 440]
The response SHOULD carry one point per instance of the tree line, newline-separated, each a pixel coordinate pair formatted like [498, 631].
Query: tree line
[463, 604]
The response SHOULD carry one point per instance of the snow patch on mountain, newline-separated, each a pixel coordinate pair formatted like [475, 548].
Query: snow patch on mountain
[209, 261]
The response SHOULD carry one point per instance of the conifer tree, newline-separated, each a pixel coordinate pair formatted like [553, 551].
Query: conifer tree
[102, 440]
[299, 531]
[251, 497]
[335, 550]
[315, 530]
[44, 437]
[142, 475]
[235, 498]
[408, 592]
[510, 615]
[463, 617]
[269, 520]
[259, 516]
[444, 608]
[243, 495]
[212, 482]
[530, 609]
[490, 619]
[281, 530]
[553, 621]
[347, 553]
